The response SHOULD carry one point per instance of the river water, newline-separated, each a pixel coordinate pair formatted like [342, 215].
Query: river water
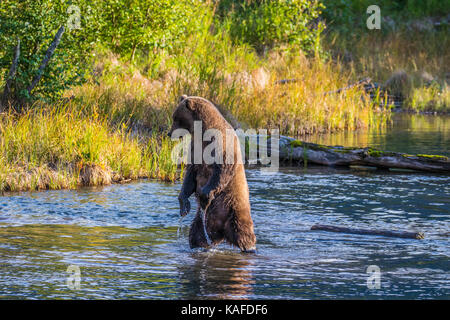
[127, 241]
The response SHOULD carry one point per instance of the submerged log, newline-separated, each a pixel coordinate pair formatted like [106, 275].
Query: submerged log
[291, 149]
[385, 233]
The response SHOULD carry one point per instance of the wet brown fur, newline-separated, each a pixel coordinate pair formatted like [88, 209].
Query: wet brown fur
[223, 185]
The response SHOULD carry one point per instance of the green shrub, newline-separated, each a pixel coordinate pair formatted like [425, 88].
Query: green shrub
[123, 26]
[35, 23]
[129, 25]
[350, 14]
[265, 23]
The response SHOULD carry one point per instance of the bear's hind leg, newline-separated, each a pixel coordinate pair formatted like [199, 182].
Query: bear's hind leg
[197, 237]
[241, 235]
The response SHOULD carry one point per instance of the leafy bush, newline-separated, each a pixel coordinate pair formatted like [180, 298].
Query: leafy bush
[348, 14]
[265, 23]
[128, 25]
[121, 25]
[35, 23]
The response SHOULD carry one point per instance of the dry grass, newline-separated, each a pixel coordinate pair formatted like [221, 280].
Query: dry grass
[235, 78]
[422, 56]
[303, 107]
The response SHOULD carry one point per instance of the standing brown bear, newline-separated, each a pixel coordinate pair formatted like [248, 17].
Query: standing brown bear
[220, 188]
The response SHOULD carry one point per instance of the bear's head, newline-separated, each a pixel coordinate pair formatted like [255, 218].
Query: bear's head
[191, 109]
[183, 116]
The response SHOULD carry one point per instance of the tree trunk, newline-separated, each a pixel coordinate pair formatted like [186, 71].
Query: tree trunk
[11, 75]
[133, 52]
[47, 57]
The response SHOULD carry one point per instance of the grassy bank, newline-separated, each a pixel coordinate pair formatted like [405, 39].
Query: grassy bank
[58, 148]
[243, 83]
[410, 64]
[111, 126]
[408, 54]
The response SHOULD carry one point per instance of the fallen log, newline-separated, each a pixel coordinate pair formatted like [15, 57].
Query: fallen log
[293, 150]
[366, 82]
[385, 233]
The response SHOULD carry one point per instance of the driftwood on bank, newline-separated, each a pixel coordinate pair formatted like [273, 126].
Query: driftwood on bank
[292, 150]
[365, 82]
[385, 233]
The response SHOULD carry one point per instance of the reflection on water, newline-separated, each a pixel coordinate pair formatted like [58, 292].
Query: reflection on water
[124, 238]
[413, 134]
[216, 274]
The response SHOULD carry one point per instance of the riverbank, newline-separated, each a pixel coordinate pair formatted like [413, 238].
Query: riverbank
[59, 148]
[56, 149]
[408, 57]
[114, 124]
[112, 128]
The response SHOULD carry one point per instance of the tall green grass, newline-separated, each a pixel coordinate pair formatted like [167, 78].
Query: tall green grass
[113, 127]
[51, 148]
[233, 76]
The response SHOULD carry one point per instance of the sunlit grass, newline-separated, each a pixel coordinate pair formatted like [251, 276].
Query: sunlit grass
[57, 148]
[422, 56]
[113, 127]
[241, 82]
[431, 98]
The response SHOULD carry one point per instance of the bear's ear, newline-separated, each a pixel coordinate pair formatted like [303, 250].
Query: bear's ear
[189, 104]
[180, 99]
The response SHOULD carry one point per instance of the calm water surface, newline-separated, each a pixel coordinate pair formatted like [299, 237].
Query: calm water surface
[128, 240]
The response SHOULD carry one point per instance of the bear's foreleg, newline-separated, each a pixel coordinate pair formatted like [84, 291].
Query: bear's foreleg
[187, 189]
[222, 175]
